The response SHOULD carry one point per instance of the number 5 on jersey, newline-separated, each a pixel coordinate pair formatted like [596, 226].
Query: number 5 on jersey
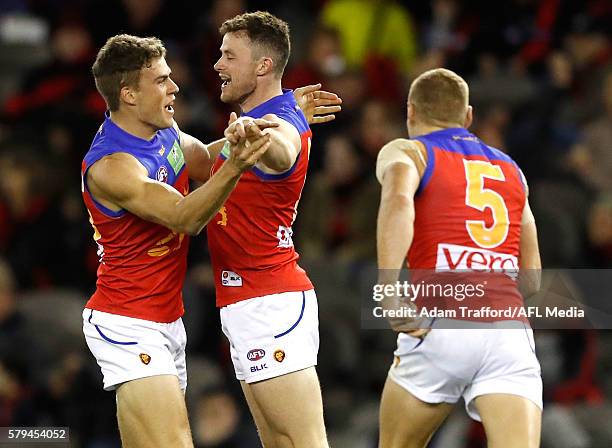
[481, 198]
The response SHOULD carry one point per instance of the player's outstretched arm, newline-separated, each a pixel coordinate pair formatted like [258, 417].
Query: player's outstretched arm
[285, 146]
[317, 105]
[530, 265]
[120, 181]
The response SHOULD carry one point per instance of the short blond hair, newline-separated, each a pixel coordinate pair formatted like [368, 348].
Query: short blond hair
[440, 97]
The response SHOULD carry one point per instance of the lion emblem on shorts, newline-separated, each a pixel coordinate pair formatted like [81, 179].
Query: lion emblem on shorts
[279, 355]
[146, 359]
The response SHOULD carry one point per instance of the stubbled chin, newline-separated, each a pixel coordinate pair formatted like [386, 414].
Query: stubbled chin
[225, 96]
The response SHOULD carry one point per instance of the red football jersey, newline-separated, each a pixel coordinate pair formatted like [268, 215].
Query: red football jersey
[142, 264]
[468, 212]
[250, 239]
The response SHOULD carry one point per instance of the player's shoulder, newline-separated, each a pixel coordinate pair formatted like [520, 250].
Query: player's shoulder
[498, 154]
[116, 164]
[404, 151]
[116, 174]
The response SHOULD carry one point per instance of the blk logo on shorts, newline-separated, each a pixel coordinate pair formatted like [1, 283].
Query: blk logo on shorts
[279, 355]
[146, 359]
[255, 369]
[256, 354]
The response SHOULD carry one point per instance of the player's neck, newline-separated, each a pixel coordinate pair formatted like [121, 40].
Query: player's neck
[132, 125]
[261, 94]
[417, 130]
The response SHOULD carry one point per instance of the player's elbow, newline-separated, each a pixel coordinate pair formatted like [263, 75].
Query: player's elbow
[398, 200]
[187, 226]
[280, 163]
[529, 282]
[192, 230]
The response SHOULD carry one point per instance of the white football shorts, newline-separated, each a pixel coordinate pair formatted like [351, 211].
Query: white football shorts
[486, 358]
[272, 335]
[127, 348]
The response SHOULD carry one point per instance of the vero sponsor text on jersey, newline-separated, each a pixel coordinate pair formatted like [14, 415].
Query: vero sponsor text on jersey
[455, 257]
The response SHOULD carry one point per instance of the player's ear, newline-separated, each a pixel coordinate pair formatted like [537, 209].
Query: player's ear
[128, 95]
[468, 118]
[265, 66]
[411, 112]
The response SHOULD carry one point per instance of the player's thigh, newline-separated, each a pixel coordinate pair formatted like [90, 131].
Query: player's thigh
[263, 428]
[510, 421]
[291, 405]
[406, 421]
[152, 413]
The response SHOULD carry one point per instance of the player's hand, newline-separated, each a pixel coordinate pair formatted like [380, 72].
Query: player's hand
[247, 152]
[246, 127]
[413, 326]
[318, 106]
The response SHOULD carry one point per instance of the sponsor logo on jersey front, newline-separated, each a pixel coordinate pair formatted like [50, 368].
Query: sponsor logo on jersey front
[175, 158]
[284, 235]
[162, 174]
[230, 278]
[455, 257]
[256, 354]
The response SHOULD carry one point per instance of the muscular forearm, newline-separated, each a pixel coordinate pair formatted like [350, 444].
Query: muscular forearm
[194, 211]
[215, 148]
[394, 235]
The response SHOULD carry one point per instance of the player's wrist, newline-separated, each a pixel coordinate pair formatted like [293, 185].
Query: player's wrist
[233, 168]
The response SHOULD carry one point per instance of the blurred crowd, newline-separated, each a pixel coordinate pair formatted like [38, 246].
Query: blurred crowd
[540, 76]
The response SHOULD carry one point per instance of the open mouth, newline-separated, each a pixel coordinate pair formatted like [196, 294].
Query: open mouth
[226, 81]
[169, 108]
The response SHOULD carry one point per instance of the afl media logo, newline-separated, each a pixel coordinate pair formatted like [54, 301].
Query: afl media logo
[162, 174]
[256, 354]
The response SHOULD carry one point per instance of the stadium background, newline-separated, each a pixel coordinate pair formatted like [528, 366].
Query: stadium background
[541, 84]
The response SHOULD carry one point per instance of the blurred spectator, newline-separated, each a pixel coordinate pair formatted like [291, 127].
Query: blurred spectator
[16, 346]
[600, 232]
[498, 83]
[368, 27]
[218, 422]
[168, 20]
[62, 84]
[323, 60]
[205, 52]
[13, 332]
[378, 38]
[337, 216]
[444, 31]
[591, 158]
